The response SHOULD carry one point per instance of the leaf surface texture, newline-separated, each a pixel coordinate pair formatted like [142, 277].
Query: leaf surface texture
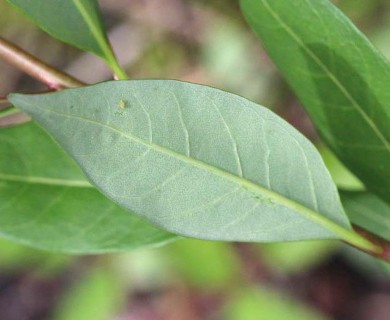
[194, 160]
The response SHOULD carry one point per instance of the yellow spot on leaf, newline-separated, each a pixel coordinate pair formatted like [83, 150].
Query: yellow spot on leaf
[122, 104]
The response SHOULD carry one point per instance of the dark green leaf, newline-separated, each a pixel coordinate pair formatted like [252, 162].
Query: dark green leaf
[195, 160]
[342, 80]
[76, 22]
[368, 211]
[45, 201]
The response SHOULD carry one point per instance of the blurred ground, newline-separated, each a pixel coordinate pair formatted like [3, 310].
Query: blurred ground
[205, 42]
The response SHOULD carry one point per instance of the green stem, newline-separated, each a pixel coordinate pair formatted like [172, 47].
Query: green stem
[359, 241]
[117, 68]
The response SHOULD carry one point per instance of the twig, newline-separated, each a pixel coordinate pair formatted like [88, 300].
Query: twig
[52, 77]
[380, 242]
[3, 100]
[4, 103]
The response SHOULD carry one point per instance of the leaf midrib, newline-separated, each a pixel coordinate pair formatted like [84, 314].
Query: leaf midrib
[95, 31]
[330, 74]
[322, 220]
[102, 40]
[45, 181]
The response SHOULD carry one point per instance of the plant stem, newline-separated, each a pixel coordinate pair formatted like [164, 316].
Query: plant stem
[3, 100]
[118, 71]
[384, 254]
[52, 77]
[4, 104]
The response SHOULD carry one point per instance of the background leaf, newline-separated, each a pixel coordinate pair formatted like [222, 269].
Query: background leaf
[45, 201]
[368, 211]
[97, 296]
[76, 22]
[205, 264]
[294, 257]
[195, 160]
[263, 303]
[342, 80]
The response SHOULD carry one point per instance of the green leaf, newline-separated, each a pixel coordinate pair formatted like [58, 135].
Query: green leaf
[342, 80]
[295, 257]
[205, 264]
[368, 211]
[97, 296]
[195, 160]
[45, 201]
[76, 22]
[254, 304]
[342, 177]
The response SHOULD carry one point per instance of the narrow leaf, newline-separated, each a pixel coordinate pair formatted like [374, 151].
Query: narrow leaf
[342, 80]
[195, 160]
[76, 22]
[45, 201]
[368, 211]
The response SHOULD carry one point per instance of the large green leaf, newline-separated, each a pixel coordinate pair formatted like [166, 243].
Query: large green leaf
[368, 211]
[45, 201]
[342, 80]
[76, 22]
[195, 160]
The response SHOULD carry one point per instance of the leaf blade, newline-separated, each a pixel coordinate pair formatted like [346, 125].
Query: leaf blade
[192, 183]
[76, 22]
[368, 211]
[47, 203]
[332, 68]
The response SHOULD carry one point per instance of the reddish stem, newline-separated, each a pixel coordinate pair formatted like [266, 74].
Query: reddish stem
[380, 242]
[3, 101]
[52, 77]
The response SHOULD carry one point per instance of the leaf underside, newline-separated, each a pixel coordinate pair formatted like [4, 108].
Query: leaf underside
[194, 160]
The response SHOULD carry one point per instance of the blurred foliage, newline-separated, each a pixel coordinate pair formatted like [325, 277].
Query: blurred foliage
[265, 303]
[96, 296]
[292, 257]
[228, 50]
[205, 264]
[15, 257]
